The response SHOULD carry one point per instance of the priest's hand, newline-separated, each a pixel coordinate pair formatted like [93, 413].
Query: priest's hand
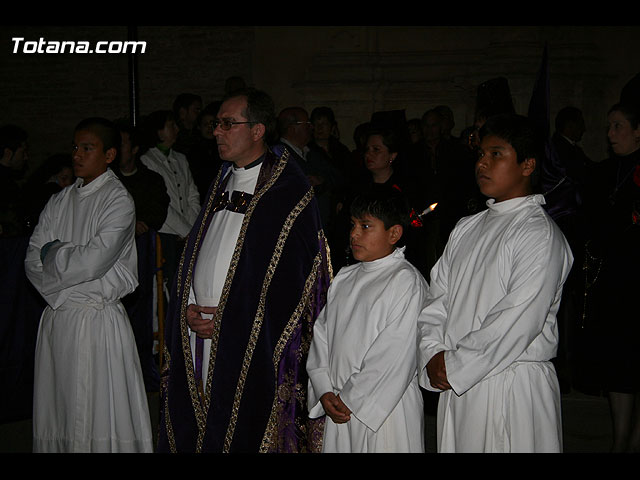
[437, 372]
[202, 326]
[335, 408]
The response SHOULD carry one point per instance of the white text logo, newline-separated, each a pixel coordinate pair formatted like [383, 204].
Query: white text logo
[68, 46]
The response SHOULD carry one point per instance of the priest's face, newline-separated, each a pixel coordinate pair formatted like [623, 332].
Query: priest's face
[88, 155]
[370, 240]
[498, 173]
[240, 143]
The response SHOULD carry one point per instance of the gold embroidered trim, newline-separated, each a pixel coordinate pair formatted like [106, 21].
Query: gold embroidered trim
[257, 324]
[327, 254]
[199, 411]
[184, 331]
[169, 426]
[269, 440]
[164, 388]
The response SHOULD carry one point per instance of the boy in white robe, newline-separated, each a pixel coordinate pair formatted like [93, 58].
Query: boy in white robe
[362, 360]
[89, 392]
[489, 331]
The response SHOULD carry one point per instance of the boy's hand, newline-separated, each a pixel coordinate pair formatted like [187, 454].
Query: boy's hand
[335, 408]
[45, 249]
[202, 326]
[437, 372]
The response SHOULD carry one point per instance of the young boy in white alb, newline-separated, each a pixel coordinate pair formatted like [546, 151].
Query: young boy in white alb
[89, 393]
[362, 360]
[489, 330]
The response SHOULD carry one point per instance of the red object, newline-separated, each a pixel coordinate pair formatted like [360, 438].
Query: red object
[636, 175]
[415, 219]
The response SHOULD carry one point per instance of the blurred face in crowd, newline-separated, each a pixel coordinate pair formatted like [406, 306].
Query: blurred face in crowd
[377, 156]
[88, 156]
[189, 116]
[432, 127]
[64, 177]
[623, 138]
[415, 132]
[576, 129]
[17, 158]
[322, 129]
[127, 152]
[206, 126]
[168, 134]
[498, 173]
[303, 128]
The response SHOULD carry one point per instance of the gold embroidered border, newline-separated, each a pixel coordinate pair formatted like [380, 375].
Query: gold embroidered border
[164, 379]
[327, 255]
[199, 412]
[257, 324]
[186, 347]
[169, 426]
[269, 440]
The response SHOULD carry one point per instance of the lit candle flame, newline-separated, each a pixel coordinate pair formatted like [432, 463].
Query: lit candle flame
[429, 209]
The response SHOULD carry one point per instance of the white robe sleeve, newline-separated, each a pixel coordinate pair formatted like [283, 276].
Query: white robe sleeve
[67, 266]
[537, 262]
[389, 365]
[194, 199]
[433, 318]
[42, 234]
[318, 366]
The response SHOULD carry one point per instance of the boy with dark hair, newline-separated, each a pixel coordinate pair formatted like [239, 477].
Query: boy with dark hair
[88, 390]
[362, 360]
[488, 330]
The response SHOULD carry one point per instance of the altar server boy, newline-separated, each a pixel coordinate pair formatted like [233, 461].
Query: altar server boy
[362, 361]
[89, 393]
[489, 330]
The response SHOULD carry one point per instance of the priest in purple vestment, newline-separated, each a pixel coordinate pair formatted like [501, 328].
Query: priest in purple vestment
[252, 278]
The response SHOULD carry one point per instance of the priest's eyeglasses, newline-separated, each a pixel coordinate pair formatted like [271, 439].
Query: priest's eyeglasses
[226, 124]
